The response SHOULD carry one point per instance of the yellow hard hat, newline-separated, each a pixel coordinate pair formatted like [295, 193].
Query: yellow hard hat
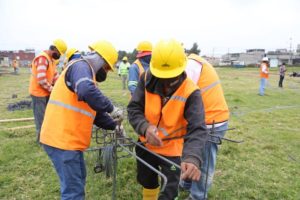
[70, 53]
[125, 58]
[144, 48]
[92, 46]
[107, 51]
[60, 45]
[168, 59]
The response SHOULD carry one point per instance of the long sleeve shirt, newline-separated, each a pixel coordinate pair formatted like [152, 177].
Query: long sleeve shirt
[134, 73]
[282, 70]
[79, 79]
[42, 65]
[196, 135]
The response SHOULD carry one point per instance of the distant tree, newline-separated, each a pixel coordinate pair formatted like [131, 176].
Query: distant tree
[121, 54]
[132, 56]
[194, 49]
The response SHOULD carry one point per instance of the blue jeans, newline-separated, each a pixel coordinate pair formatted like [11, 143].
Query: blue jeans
[262, 86]
[199, 188]
[39, 106]
[70, 167]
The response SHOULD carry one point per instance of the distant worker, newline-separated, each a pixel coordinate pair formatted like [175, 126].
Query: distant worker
[264, 75]
[282, 70]
[163, 107]
[71, 54]
[140, 65]
[15, 65]
[216, 114]
[75, 105]
[42, 79]
[123, 71]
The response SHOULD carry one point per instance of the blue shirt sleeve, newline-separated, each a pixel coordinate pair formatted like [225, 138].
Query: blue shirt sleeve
[133, 78]
[79, 79]
[103, 120]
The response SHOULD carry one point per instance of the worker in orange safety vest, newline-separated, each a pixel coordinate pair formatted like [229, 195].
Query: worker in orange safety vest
[74, 106]
[140, 65]
[216, 114]
[42, 79]
[163, 107]
[264, 75]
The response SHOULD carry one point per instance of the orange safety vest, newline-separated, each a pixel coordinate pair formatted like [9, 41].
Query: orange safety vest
[15, 64]
[68, 122]
[216, 109]
[170, 121]
[140, 66]
[35, 88]
[264, 75]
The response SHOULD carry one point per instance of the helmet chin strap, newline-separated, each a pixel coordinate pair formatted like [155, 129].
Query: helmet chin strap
[95, 60]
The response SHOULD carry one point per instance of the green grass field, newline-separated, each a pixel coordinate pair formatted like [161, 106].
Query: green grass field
[265, 166]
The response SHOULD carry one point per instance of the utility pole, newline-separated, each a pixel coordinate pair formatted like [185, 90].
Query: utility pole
[291, 53]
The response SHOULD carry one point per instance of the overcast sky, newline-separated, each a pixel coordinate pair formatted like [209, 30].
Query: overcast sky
[217, 26]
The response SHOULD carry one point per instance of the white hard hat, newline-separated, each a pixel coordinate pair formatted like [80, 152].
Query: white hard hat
[265, 59]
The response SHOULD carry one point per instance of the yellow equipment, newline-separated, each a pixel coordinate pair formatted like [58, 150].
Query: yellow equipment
[107, 51]
[70, 53]
[60, 45]
[168, 59]
[125, 58]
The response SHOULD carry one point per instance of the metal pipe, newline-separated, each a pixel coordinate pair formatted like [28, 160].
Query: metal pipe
[157, 155]
[165, 180]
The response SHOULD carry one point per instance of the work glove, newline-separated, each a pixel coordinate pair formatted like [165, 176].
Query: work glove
[120, 131]
[117, 114]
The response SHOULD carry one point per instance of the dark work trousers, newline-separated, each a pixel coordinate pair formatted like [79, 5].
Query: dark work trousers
[280, 80]
[39, 106]
[149, 179]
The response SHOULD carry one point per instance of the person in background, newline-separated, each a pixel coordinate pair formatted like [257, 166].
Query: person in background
[264, 75]
[75, 104]
[282, 70]
[15, 65]
[123, 71]
[140, 65]
[72, 53]
[43, 77]
[152, 115]
[205, 76]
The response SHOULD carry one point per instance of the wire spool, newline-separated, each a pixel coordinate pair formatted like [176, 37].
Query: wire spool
[108, 156]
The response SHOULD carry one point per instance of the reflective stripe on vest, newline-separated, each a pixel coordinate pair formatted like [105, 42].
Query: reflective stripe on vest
[58, 103]
[164, 131]
[68, 122]
[215, 106]
[209, 86]
[124, 68]
[170, 122]
[140, 66]
[178, 98]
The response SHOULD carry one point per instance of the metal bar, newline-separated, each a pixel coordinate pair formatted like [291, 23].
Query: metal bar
[115, 163]
[157, 155]
[208, 161]
[165, 180]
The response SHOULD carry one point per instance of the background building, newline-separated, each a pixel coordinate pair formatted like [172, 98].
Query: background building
[24, 57]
